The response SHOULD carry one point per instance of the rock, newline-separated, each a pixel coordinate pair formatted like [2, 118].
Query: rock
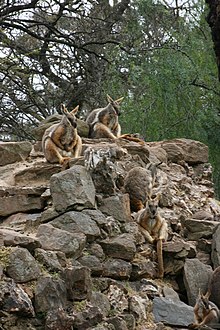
[122, 247]
[117, 269]
[13, 238]
[117, 297]
[36, 174]
[50, 294]
[58, 319]
[215, 256]
[194, 152]
[20, 199]
[196, 276]
[215, 287]
[117, 206]
[196, 229]
[49, 259]
[56, 239]
[78, 282]
[77, 222]
[171, 294]
[118, 322]
[138, 307]
[11, 152]
[179, 248]
[100, 300]
[22, 266]
[142, 267]
[72, 189]
[90, 316]
[93, 263]
[172, 312]
[13, 299]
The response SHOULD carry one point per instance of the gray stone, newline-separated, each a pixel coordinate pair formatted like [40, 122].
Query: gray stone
[196, 229]
[20, 199]
[93, 263]
[52, 238]
[172, 312]
[72, 189]
[117, 206]
[13, 299]
[58, 319]
[196, 277]
[122, 246]
[77, 222]
[22, 266]
[215, 255]
[49, 259]
[117, 269]
[11, 152]
[78, 282]
[50, 294]
[100, 300]
[13, 238]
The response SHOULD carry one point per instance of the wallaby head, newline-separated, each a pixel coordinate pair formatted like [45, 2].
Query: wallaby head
[203, 300]
[69, 117]
[153, 203]
[115, 104]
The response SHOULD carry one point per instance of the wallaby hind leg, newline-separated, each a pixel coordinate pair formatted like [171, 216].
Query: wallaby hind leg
[52, 153]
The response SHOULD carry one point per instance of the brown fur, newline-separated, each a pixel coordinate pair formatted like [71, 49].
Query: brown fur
[138, 184]
[103, 122]
[61, 141]
[205, 312]
[154, 228]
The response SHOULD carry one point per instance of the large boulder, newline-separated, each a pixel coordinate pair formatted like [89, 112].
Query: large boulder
[11, 152]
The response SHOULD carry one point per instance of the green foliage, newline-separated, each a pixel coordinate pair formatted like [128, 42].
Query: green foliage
[170, 81]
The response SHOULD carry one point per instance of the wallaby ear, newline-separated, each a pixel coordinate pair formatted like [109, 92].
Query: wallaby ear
[119, 100]
[63, 109]
[74, 111]
[207, 295]
[109, 99]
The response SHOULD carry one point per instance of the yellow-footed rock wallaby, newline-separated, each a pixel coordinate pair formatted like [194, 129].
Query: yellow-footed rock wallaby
[205, 312]
[103, 122]
[138, 183]
[61, 141]
[153, 227]
[206, 309]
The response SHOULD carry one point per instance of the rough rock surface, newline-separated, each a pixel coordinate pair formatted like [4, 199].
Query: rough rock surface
[71, 255]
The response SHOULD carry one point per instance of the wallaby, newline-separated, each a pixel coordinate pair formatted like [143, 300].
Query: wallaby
[103, 122]
[205, 312]
[138, 183]
[153, 227]
[61, 141]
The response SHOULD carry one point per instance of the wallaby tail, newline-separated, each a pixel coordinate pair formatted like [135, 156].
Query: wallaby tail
[132, 137]
[160, 258]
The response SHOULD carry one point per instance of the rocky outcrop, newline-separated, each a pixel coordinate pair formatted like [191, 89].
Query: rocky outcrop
[71, 255]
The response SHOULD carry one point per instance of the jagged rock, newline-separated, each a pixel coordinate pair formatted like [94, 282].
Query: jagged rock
[216, 247]
[49, 259]
[78, 282]
[72, 189]
[174, 152]
[100, 300]
[97, 216]
[196, 276]
[169, 293]
[77, 222]
[122, 247]
[11, 152]
[13, 299]
[96, 250]
[118, 322]
[13, 238]
[179, 248]
[19, 221]
[142, 267]
[138, 307]
[196, 229]
[117, 206]
[172, 312]
[203, 215]
[22, 266]
[117, 269]
[93, 263]
[36, 174]
[117, 297]
[90, 316]
[58, 319]
[50, 294]
[215, 287]
[194, 152]
[103, 326]
[20, 199]
[52, 238]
